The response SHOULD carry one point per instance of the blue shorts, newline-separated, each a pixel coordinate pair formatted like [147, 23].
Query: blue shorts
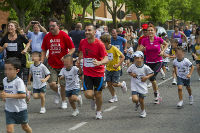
[139, 94]
[112, 76]
[41, 90]
[16, 117]
[184, 82]
[72, 92]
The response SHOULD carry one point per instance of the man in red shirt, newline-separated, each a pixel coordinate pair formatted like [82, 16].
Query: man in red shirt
[95, 57]
[59, 44]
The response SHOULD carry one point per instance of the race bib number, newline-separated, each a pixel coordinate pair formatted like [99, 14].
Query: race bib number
[12, 47]
[110, 56]
[88, 62]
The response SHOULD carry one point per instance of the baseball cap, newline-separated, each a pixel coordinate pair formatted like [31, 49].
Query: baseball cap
[144, 26]
[138, 54]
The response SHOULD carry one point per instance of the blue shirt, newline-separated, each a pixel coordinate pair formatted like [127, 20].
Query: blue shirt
[187, 33]
[36, 42]
[118, 43]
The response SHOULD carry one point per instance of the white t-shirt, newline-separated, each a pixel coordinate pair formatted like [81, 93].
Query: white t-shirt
[71, 78]
[15, 86]
[39, 72]
[183, 67]
[192, 39]
[136, 83]
[130, 52]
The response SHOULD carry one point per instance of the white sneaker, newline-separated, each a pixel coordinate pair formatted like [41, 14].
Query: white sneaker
[114, 99]
[57, 96]
[174, 82]
[124, 87]
[64, 105]
[167, 68]
[80, 101]
[143, 114]
[42, 110]
[199, 78]
[57, 99]
[149, 85]
[158, 99]
[98, 115]
[75, 113]
[191, 100]
[180, 104]
[93, 104]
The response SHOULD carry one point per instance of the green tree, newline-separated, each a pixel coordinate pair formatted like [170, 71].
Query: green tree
[113, 8]
[20, 7]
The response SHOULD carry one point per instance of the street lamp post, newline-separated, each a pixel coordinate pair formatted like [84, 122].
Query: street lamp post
[93, 12]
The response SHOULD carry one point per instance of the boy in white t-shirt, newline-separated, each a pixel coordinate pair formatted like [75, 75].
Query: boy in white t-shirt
[40, 75]
[139, 73]
[14, 95]
[183, 69]
[72, 87]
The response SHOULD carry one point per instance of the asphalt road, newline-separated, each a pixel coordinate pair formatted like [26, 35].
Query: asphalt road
[120, 116]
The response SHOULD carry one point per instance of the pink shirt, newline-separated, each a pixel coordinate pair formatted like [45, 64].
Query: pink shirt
[153, 49]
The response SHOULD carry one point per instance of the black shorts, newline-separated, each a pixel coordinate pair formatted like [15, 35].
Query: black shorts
[93, 83]
[156, 68]
[197, 61]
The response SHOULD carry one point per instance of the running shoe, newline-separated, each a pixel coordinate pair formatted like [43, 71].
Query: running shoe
[149, 85]
[64, 105]
[98, 115]
[143, 114]
[42, 110]
[80, 101]
[124, 87]
[174, 82]
[75, 113]
[191, 100]
[180, 104]
[113, 99]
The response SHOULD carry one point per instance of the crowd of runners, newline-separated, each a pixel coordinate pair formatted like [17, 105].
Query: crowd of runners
[91, 60]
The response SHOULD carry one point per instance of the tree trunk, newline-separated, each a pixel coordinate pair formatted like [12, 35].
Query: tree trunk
[173, 22]
[68, 18]
[83, 15]
[114, 17]
[138, 19]
[21, 16]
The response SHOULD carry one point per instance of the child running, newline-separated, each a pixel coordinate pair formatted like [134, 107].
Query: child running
[113, 67]
[40, 75]
[196, 54]
[183, 69]
[72, 87]
[14, 95]
[139, 73]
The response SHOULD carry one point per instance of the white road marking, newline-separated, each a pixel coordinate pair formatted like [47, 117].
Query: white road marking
[77, 126]
[109, 109]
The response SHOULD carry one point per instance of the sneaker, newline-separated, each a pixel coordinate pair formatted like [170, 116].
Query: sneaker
[42, 110]
[191, 100]
[180, 104]
[114, 99]
[124, 87]
[199, 78]
[149, 85]
[143, 114]
[64, 105]
[80, 101]
[174, 82]
[158, 99]
[163, 77]
[98, 116]
[57, 96]
[75, 113]
[167, 68]
[137, 106]
[93, 104]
